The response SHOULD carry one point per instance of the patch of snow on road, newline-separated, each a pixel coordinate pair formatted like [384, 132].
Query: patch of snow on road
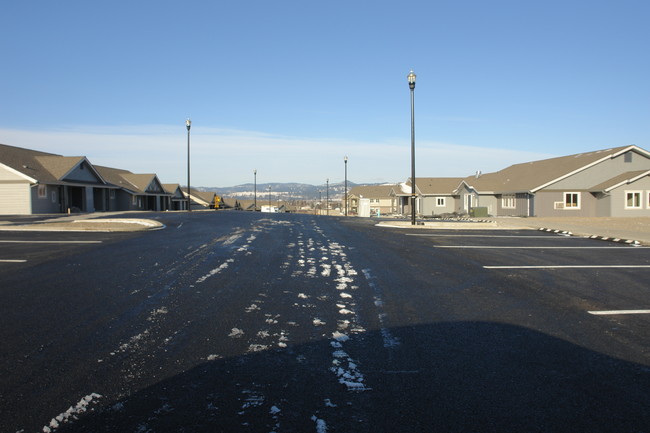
[253, 307]
[236, 333]
[72, 413]
[321, 425]
[216, 270]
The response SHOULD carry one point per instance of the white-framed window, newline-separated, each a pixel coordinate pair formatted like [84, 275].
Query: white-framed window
[134, 200]
[508, 201]
[633, 200]
[441, 202]
[571, 200]
[42, 191]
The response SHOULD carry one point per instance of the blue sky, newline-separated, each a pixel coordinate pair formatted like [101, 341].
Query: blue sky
[290, 87]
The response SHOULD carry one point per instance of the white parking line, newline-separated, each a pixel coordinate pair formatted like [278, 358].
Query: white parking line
[487, 236]
[48, 242]
[614, 312]
[12, 261]
[528, 247]
[567, 267]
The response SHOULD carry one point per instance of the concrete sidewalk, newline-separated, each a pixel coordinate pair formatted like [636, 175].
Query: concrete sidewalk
[97, 222]
[634, 229]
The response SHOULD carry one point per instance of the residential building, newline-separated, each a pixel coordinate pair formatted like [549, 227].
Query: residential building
[177, 198]
[136, 191]
[381, 202]
[609, 182]
[33, 182]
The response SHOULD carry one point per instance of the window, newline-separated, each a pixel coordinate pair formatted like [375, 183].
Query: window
[42, 191]
[53, 196]
[572, 200]
[134, 200]
[112, 194]
[627, 157]
[632, 199]
[508, 201]
[440, 202]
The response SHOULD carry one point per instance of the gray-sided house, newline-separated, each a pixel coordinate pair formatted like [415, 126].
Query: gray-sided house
[437, 195]
[177, 198]
[609, 182]
[136, 191]
[33, 182]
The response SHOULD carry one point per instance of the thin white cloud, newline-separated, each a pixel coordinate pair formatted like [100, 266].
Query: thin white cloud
[223, 157]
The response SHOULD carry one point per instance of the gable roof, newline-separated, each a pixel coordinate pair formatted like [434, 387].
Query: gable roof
[620, 180]
[133, 182]
[437, 185]
[535, 175]
[374, 191]
[174, 189]
[44, 167]
[204, 198]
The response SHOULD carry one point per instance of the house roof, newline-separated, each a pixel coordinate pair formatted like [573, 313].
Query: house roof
[134, 182]
[437, 185]
[535, 175]
[42, 167]
[620, 180]
[372, 191]
[205, 198]
[174, 189]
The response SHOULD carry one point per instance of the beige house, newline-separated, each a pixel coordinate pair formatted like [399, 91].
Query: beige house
[381, 201]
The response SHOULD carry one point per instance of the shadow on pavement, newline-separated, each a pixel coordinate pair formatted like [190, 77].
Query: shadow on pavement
[447, 377]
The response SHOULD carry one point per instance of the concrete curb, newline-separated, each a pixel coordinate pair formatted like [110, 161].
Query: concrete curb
[89, 225]
[597, 237]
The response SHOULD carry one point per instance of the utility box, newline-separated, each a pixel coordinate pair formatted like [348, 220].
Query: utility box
[478, 212]
[364, 207]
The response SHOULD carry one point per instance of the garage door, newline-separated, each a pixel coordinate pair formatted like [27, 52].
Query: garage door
[15, 199]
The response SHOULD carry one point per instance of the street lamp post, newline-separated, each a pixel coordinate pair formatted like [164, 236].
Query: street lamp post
[255, 191]
[411, 81]
[188, 124]
[328, 196]
[345, 160]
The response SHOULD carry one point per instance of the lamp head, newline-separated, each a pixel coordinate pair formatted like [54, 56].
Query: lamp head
[411, 79]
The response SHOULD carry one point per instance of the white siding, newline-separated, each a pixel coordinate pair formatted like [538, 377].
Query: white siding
[15, 199]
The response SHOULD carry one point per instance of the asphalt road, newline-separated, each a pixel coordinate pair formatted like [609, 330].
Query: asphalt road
[233, 321]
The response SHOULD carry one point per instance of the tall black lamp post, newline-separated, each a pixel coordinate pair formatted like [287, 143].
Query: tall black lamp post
[188, 123]
[345, 160]
[328, 196]
[411, 80]
[255, 190]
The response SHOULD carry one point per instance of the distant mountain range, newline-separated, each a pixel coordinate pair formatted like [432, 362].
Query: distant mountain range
[283, 191]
